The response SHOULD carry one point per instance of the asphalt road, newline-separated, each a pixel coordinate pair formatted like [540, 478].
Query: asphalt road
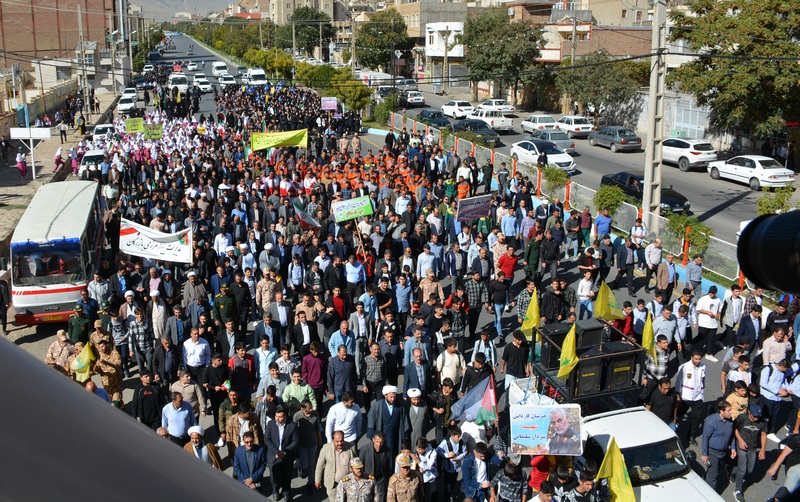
[36, 339]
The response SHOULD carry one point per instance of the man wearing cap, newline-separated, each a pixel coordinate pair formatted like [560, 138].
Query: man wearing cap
[750, 432]
[356, 487]
[388, 415]
[59, 351]
[109, 367]
[224, 307]
[405, 485]
[200, 449]
[78, 325]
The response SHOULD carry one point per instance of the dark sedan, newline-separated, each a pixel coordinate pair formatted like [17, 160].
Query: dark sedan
[617, 138]
[479, 127]
[433, 118]
[632, 183]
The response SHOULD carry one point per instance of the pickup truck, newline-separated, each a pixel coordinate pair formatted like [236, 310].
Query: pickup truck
[493, 118]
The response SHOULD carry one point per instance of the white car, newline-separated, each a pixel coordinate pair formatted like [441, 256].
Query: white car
[500, 105]
[226, 80]
[90, 162]
[101, 132]
[493, 118]
[754, 170]
[575, 126]
[528, 152]
[658, 466]
[131, 92]
[688, 153]
[148, 68]
[457, 109]
[125, 105]
[414, 98]
[538, 123]
[202, 83]
[191, 66]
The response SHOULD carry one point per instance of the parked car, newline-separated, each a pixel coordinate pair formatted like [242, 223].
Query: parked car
[617, 138]
[457, 109]
[529, 151]
[411, 98]
[687, 153]
[538, 122]
[493, 118]
[557, 137]
[225, 80]
[433, 117]
[754, 170]
[125, 105]
[632, 183]
[191, 66]
[490, 137]
[658, 466]
[500, 105]
[131, 92]
[575, 126]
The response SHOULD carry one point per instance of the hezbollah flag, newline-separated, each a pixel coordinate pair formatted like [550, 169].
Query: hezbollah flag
[479, 405]
[532, 318]
[307, 222]
[648, 338]
[82, 365]
[616, 472]
[606, 305]
[569, 358]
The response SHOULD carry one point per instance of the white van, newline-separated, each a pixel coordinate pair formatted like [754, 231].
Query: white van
[218, 68]
[256, 76]
[179, 81]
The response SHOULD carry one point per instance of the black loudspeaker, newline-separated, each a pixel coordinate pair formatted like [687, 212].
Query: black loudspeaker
[589, 332]
[552, 339]
[617, 346]
[588, 376]
[619, 374]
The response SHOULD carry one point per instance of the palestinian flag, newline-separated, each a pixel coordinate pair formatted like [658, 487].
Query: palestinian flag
[305, 219]
[479, 405]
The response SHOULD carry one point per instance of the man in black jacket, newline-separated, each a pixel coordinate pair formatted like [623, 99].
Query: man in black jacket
[377, 463]
[626, 257]
[549, 252]
[475, 373]
[148, 400]
[166, 362]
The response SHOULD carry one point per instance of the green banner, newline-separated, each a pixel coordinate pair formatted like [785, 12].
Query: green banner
[153, 131]
[134, 125]
[351, 209]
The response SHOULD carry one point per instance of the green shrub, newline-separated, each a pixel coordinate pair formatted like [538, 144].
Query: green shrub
[554, 179]
[608, 197]
[699, 233]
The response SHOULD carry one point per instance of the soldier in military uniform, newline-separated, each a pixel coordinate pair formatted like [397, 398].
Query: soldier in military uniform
[356, 487]
[78, 326]
[223, 306]
[565, 441]
[104, 315]
[405, 485]
[98, 334]
[109, 367]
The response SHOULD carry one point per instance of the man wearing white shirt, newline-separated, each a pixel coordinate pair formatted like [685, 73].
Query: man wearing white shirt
[708, 309]
[344, 416]
[264, 355]
[196, 354]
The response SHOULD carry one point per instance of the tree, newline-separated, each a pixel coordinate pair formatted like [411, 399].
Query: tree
[610, 86]
[306, 30]
[498, 49]
[741, 75]
[375, 40]
[354, 94]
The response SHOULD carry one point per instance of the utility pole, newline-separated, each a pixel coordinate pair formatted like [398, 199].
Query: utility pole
[445, 34]
[260, 36]
[83, 62]
[113, 57]
[294, 49]
[574, 36]
[320, 41]
[651, 197]
[353, 43]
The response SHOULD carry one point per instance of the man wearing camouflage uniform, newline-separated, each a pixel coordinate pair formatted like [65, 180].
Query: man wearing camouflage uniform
[405, 485]
[356, 487]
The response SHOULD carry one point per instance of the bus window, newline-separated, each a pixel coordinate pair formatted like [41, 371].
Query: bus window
[47, 267]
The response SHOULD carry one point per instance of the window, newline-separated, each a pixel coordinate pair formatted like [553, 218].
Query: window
[430, 39]
[624, 13]
[88, 59]
[63, 73]
[638, 16]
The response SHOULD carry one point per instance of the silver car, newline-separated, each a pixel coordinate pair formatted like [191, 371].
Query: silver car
[556, 136]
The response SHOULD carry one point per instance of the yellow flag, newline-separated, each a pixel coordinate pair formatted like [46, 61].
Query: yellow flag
[648, 338]
[82, 365]
[606, 305]
[532, 318]
[264, 140]
[569, 359]
[616, 472]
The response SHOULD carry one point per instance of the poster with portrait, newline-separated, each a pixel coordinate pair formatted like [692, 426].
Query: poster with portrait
[546, 430]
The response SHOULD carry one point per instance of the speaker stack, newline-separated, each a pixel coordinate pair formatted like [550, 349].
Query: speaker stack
[553, 336]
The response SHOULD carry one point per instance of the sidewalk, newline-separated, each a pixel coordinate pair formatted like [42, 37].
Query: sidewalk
[16, 193]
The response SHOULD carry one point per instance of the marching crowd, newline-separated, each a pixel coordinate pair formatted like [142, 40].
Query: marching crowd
[297, 334]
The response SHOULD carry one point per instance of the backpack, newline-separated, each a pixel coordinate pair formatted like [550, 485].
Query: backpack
[441, 460]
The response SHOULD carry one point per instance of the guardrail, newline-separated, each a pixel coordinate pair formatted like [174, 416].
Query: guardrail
[719, 257]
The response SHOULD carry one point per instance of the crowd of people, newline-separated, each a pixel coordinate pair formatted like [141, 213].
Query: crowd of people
[291, 340]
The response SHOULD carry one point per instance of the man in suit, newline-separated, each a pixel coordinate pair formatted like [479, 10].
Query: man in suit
[304, 334]
[250, 461]
[178, 326]
[391, 262]
[265, 327]
[377, 463]
[750, 326]
[226, 340]
[388, 415]
[455, 263]
[282, 440]
[363, 328]
[283, 315]
[334, 276]
[626, 257]
[417, 375]
[666, 277]
[325, 473]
